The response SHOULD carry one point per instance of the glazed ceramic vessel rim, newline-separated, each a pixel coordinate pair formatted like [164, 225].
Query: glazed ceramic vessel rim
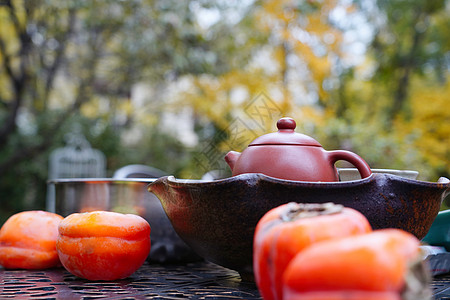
[101, 180]
[398, 172]
[184, 182]
[381, 170]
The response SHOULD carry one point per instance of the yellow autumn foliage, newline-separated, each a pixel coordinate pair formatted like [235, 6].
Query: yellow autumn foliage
[357, 119]
[429, 123]
[212, 95]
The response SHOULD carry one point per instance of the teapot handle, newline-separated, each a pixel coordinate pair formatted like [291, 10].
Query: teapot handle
[354, 159]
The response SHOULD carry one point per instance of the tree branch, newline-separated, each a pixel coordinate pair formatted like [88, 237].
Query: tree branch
[17, 81]
[410, 63]
[59, 53]
[82, 96]
[25, 153]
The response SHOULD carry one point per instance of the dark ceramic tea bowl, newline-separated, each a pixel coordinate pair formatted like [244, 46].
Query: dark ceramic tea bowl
[218, 218]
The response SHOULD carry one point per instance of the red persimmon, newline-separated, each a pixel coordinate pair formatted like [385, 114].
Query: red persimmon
[344, 295]
[28, 239]
[358, 267]
[288, 229]
[103, 245]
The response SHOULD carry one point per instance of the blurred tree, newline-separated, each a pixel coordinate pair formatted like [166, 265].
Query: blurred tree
[411, 41]
[282, 56]
[399, 91]
[77, 61]
[345, 70]
[354, 74]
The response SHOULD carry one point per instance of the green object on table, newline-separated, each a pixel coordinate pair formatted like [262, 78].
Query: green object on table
[439, 233]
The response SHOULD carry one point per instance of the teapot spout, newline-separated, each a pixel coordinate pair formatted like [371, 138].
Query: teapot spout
[158, 187]
[231, 158]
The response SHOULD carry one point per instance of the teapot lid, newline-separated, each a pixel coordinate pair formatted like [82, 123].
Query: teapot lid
[285, 136]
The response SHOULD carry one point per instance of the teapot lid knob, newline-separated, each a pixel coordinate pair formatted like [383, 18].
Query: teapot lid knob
[285, 135]
[286, 123]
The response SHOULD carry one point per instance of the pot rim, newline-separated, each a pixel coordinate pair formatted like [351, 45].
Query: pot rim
[443, 182]
[101, 180]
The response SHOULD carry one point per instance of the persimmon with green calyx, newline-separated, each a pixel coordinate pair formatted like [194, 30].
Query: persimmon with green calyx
[384, 264]
[285, 230]
[103, 245]
[28, 240]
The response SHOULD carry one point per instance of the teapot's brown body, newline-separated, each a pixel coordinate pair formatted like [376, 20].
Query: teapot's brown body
[289, 155]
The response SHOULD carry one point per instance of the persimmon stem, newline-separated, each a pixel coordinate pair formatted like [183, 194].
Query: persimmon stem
[307, 210]
[417, 280]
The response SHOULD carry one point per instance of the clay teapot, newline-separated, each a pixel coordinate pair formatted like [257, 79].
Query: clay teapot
[293, 156]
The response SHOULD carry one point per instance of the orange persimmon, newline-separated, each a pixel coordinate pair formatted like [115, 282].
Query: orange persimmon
[344, 295]
[285, 230]
[103, 245]
[358, 267]
[27, 240]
